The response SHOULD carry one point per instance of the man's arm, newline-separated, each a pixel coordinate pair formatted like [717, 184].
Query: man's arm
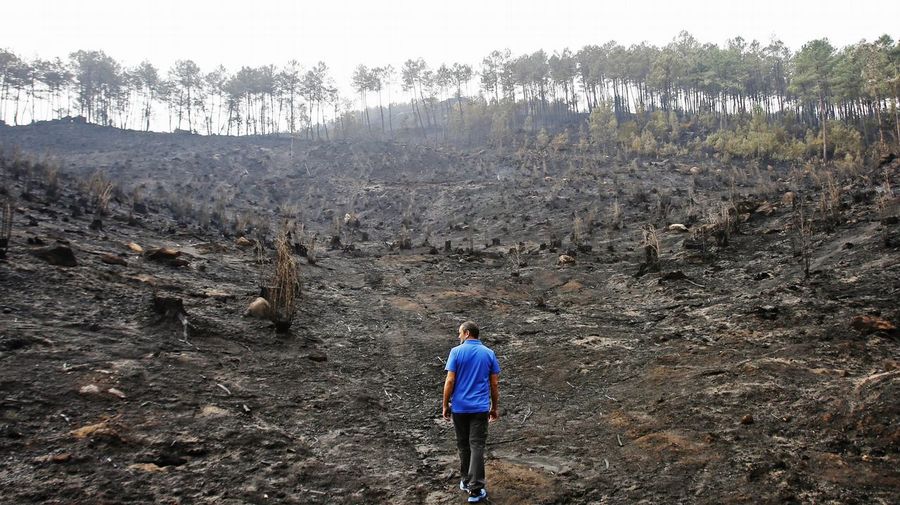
[449, 382]
[495, 397]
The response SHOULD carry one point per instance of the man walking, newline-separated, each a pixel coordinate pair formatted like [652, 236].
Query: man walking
[472, 397]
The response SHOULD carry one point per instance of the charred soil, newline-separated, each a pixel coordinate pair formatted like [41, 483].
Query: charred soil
[653, 365]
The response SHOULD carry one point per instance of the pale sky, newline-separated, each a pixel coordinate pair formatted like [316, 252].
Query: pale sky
[347, 33]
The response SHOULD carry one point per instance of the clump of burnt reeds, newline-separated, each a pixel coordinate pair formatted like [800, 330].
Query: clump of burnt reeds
[6, 215]
[284, 287]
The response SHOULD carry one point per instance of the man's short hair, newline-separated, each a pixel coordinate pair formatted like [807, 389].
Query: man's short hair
[470, 327]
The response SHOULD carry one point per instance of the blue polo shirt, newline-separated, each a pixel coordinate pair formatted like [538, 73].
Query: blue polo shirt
[473, 363]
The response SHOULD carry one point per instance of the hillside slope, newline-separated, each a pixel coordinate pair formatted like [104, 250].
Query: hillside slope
[720, 373]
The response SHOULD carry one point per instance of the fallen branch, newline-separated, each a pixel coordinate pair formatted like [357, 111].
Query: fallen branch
[619, 439]
[695, 284]
[527, 415]
[224, 388]
[505, 441]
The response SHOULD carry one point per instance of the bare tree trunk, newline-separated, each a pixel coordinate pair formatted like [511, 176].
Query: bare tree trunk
[33, 99]
[16, 109]
[262, 115]
[459, 104]
[878, 115]
[381, 112]
[318, 120]
[365, 105]
[147, 114]
[587, 97]
[822, 113]
[275, 116]
[424, 104]
[419, 117]
[4, 93]
[897, 115]
[338, 122]
[189, 107]
[293, 119]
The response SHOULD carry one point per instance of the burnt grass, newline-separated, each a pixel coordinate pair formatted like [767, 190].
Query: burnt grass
[722, 374]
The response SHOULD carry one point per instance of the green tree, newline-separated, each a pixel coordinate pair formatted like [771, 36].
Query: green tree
[412, 75]
[98, 79]
[877, 76]
[603, 126]
[16, 76]
[563, 69]
[291, 83]
[362, 82]
[148, 78]
[318, 90]
[57, 78]
[186, 75]
[813, 66]
[214, 83]
[384, 78]
[7, 61]
[493, 69]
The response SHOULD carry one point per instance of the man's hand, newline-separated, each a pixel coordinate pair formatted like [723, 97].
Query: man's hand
[494, 414]
[449, 383]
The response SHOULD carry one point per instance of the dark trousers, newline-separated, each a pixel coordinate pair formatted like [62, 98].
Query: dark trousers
[471, 434]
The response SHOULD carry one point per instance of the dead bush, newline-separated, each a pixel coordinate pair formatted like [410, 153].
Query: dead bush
[6, 216]
[515, 257]
[888, 208]
[284, 285]
[802, 226]
[311, 249]
[830, 202]
[578, 231]
[650, 245]
[886, 203]
[765, 186]
[17, 165]
[590, 220]
[336, 233]
[51, 181]
[663, 207]
[404, 241]
[100, 189]
[692, 212]
[182, 208]
[615, 215]
[723, 222]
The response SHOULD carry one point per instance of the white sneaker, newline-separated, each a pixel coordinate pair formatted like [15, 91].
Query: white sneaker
[475, 498]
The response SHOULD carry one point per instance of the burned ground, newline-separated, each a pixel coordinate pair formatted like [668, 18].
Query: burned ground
[723, 374]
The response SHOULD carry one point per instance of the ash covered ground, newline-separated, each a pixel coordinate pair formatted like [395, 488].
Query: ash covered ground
[713, 370]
